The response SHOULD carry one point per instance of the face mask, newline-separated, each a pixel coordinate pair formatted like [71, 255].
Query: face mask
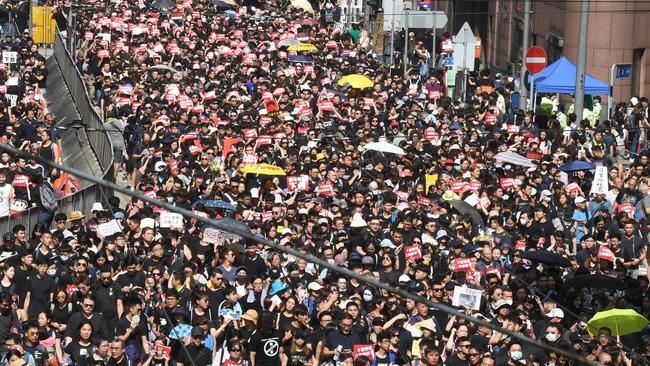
[516, 355]
[64, 258]
[367, 297]
[51, 272]
[551, 337]
[242, 278]
[170, 199]
[523, 221]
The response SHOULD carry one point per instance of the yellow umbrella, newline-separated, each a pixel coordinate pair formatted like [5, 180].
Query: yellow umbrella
[619, 321]
[356, 81]
[263, 169]
[302, 4]
[303, 47]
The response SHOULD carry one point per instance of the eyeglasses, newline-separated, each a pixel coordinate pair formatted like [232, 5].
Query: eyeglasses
[474, 354]
[156, 273]
[88, 305]
[437, 289]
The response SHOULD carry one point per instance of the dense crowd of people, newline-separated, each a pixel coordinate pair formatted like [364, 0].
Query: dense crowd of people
[505, 214]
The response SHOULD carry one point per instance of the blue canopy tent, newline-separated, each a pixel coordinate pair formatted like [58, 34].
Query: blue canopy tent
[560, 77]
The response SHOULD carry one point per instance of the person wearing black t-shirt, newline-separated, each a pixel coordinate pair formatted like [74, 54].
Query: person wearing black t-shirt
[264, 346]
[197, 351]
[460, 358]
[80, 349]
[39, 290]
[118, 357]
[108, 298]
[132, 330]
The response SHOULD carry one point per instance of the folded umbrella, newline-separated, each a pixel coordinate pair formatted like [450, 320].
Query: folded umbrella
[220, 204]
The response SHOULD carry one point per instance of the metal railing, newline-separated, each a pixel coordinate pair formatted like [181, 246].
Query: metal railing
[99, 143]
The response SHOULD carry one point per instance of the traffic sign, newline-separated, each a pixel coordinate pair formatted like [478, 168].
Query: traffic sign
[425, 19]
[623, 71]
[464, 45]
[449, 61]
[535, 59]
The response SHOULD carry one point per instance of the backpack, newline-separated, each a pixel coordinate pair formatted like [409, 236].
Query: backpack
[48, 198]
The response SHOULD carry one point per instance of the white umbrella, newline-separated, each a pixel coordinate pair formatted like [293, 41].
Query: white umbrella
[288, 42]
[384, 147]
[514, 158]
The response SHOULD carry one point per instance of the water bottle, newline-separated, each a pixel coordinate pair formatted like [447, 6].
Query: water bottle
[336, 356]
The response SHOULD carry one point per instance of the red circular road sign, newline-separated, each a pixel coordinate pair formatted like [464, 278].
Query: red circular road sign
[535, 59]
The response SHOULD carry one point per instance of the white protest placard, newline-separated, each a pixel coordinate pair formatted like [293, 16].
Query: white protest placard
[12, 99]
[464, 296]
[600, 184]
[171, 219]
[109, 228]
[214, 236]
[9, 57]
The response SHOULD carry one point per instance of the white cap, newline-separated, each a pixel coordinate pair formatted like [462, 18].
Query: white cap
[555, 313]
[404, 278]
[454, 147]
[580, 199]
[441, 233]
[386, 243]
[314, 286]
[159, 166]
[97, 206]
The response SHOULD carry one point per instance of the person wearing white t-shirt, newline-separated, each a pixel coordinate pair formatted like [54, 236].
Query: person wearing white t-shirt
[6, 194]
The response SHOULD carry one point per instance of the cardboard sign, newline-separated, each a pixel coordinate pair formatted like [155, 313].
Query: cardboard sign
[213, 236]
[423, 201]
[9, 57]
[249, 159]
[299, 182]
[600, 185]
[464, 296]
[326, 106]
[412, 252]
[363, 350]
[171, 220]
[162, 350]
[606, 253]
[474, 185]
[513, 129]
[462, 265]
[271, 106]
[109, 228]
[429, 180]
[457, 186]
[12, 99]
[627, 208]
[404, 196]
[20, 180]
[507, 183]
[325, 189]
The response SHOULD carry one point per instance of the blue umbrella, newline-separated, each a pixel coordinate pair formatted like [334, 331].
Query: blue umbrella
[301, 59]
[180, 331]
[577, 165]
[218, 204]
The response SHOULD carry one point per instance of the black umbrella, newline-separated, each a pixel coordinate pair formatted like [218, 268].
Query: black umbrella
[465, 209]
[544, 256]
[163, 4]
[593, 281]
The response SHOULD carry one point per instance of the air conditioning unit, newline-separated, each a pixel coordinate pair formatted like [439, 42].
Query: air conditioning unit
[555, 39]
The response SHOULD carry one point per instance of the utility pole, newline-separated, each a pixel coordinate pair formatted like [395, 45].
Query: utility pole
[582, 60]
[392, 33]
[524, 47]
[406, 39]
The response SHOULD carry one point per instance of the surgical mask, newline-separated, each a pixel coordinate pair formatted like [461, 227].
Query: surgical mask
[516, 355]
[523, 221]
[551, 337]
[51, 272]
[367, 297]
[242, 278]
[170, 199]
